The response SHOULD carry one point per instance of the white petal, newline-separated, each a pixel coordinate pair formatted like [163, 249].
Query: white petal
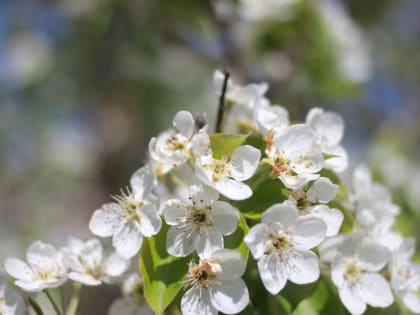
[303, 266]
[18, 269]
[230, 297]
[218, 79]
[105, 221]
[310, 162]
[270, 118]
[232, 263]
[329, 127]
[322, 190]
[244, 161]
[92, 252]
[203, 195]
[333, 218]
[200, 145]
[337, 271]
[197, 301]
[175, 212]
[40, 253]
[284, 213]
[271, 273]
[184, 123]
[339, 162]
[209, 239]
[257, 239]
[84, 279]
[296, 142]
[115, 265]
[296, 182]
[407, 249]
[181, 242]
[375, 290]
[308, 232]
[30, 286]
[351, 300]
[150, 222]
[142, 182]
[233, 189]
[412, 301]
[127, 240]
[244, 95]
[224, 217]
[373, 256]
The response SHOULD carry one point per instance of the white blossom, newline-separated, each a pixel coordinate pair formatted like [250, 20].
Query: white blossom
[11, 303]
[172, 148]
[225, 174]
[216, 285]
[294, 155]
[271, 117]
[132, 217]
[329, 128]
[88, 263]
[405, 275]
[355, 272]
[282, 243]
[313, 199]
[199, 223]
[45, 268]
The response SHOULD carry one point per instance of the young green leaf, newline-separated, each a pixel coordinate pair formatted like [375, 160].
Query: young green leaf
[224, 144]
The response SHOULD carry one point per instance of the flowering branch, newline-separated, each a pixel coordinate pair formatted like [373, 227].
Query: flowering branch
[221, 109]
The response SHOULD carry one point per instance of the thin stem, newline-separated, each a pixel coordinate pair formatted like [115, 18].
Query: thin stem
[55, 306]
[63, 307]
[74, 302]
[86, 303]
[221, 109]
[37, 309]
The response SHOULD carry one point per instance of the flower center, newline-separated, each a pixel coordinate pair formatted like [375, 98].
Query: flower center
[301, 200]
[279, 164]
[219, 168]
[203, 274]
[200, 217]
[129, 205]
[280, 243]
[352, 271]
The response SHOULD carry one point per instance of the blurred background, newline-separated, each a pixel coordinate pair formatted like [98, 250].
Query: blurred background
[84, 84]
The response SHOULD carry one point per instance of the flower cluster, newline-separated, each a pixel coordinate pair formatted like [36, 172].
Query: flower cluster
[221, 194]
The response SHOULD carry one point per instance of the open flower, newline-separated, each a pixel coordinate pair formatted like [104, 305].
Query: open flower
[281, 245]
[132, 217]
[172, 148]
[216, 285]
[294, 156]
[271, 117]
[405, 275]
[88, 263]
[329, 127]
[225, 174]
[199, 223]
[355, 272]
[313, 199]
[45, 268]
[11, 303]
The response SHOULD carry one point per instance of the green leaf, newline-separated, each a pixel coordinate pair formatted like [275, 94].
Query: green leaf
[295, 293]
[315, 303]
[235, 240]
[266, 192]
[163, 274]
[225, 144]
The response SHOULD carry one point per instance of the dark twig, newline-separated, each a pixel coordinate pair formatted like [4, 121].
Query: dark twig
[221, 109]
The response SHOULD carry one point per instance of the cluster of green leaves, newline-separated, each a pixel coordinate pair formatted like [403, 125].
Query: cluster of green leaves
[164, 275]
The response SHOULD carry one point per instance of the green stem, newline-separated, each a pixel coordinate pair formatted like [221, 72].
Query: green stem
[63, 307]
[86, 303]
[55, 306]
[74, 302]
[37, 309]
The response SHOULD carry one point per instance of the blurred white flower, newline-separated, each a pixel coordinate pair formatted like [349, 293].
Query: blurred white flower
[329, 128]
[11, 303]
[199, 223]
[216, 285]
[226, 175]
[256, 10]
[132, 217]
[89, 265]
[282, 243]
[294, 155]
[27, 57]
[45, 268]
